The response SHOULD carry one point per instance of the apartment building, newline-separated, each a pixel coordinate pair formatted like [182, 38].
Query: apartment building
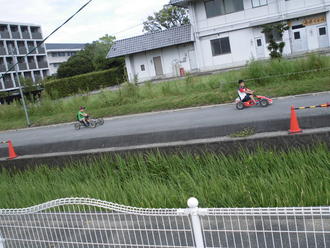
[59, 53]
[16, 40]
[228, 33]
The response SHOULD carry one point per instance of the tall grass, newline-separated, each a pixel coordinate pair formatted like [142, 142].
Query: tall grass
[261, 179]
[279, 78]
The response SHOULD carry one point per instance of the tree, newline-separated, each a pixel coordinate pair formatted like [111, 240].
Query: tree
[275, 47]
[92, 58]
[76, 65]
[169, 16]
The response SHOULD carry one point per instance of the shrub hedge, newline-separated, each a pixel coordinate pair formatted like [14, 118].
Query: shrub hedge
[83, 83]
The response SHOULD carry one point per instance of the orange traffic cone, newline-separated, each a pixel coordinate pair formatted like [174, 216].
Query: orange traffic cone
[294, 124]
[11, 152]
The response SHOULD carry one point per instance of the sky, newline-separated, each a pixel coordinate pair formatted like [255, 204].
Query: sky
[122, 18]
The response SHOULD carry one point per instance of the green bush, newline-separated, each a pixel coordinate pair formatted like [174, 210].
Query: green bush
[263, 72]
[83, 83]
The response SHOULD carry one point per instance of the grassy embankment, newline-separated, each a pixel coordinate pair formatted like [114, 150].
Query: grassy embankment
[193, 91]
[260, 179]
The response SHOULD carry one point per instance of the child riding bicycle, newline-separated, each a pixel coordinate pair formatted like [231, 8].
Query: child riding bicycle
[83, 117]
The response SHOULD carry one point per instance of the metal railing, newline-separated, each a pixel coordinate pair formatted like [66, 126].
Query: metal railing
[22, 50]
[80, 222]
[36, 35]
[4, 35]
[25, 35]
[42, 64]
[15, 35]
[32, 65]
[2, 50]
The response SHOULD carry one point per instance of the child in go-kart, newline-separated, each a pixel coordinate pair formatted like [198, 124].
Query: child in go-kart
[244, 93]
[83, 117]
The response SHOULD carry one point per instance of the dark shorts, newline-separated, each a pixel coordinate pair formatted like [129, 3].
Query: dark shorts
[246, 98]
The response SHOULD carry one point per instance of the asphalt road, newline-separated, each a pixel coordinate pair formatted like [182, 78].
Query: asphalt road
[205, 122]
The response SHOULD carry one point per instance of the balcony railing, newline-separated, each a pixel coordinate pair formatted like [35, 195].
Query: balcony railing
[3, 68]
[32, 65]
[37, 78]
[32, 48]
[22, 50]
[8, 83]
[2, 51]
[22, 66]
[42, 64]
[4, 35]
[15, 35]
[36, 35]
[10, 66]
[25, 35]
[41, 50]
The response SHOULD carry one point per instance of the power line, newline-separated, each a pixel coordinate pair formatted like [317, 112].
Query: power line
[43, 41]
[127, 29]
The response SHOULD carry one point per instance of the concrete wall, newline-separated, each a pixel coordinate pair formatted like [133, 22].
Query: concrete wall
[172, 58]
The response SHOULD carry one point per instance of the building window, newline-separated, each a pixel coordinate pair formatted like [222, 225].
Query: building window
[258, 3]
[322, 31]
[296, 35]
[143, 68]
[221, 7]
[259, 42]
[220, 46]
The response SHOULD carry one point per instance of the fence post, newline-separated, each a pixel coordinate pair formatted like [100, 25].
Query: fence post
[196, 223]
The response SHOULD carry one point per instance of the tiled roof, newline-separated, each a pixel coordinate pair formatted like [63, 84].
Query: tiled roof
[64, 46]
[179, 2]
[151, 41]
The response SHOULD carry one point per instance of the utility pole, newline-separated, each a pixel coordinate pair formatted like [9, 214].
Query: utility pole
[18, 81]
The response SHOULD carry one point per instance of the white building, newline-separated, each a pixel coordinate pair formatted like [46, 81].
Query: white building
[59, 53]
[16, 41]
[227, 33]
[157, 55]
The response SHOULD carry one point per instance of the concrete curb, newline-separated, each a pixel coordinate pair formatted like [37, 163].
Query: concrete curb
[225, 145]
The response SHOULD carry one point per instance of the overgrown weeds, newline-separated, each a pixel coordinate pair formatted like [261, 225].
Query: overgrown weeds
[262, 179]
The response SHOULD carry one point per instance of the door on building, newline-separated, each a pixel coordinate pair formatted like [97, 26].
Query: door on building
[323, 36]
[299, 39]
[192, 60]
[260, 48]
[158, 66]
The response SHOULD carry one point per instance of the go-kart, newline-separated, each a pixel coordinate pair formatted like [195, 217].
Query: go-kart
[92, 123]
[260, 101]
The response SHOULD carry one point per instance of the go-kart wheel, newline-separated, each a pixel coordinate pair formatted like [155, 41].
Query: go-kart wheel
[77, 126]
[100, 121]
[264, 103]
[240, 106]
[92, 124]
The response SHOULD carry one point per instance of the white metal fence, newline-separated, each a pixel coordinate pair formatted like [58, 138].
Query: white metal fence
[80, 222]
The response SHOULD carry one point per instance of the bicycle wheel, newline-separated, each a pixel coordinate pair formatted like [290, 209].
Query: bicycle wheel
[92, 124]
[77, 126]
[100, 121]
